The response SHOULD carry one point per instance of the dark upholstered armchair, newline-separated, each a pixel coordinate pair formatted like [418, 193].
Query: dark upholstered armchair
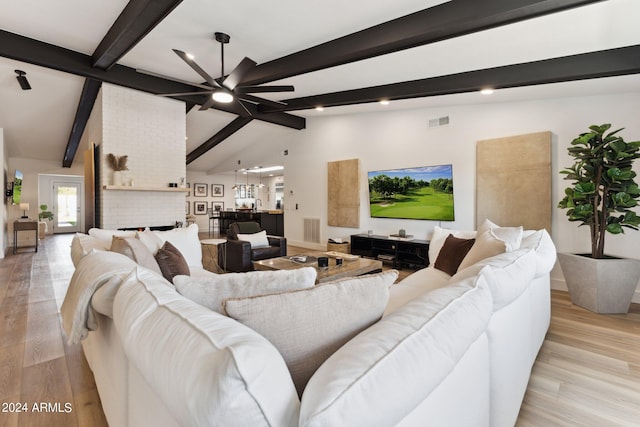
[239, 253]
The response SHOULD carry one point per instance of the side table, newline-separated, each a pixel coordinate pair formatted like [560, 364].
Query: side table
[338, 247]
[24, 225]
[211, 252]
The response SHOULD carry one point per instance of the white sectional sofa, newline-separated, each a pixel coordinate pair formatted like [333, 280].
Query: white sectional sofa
[449, 350]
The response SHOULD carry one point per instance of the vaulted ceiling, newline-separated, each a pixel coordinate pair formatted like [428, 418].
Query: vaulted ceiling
[345, 56]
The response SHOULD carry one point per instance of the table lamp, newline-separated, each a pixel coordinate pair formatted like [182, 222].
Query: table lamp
[25, 208]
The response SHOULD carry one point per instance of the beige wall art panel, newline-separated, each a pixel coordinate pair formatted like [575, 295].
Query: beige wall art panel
[513, 181]
[344, 193]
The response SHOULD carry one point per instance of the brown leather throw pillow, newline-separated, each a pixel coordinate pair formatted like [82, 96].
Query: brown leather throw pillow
[452, 253]
[171, 262]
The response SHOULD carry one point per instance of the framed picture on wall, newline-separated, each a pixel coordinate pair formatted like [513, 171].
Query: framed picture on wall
[217, 206]
[189, 187]
[187, 211]
[200, 190]
[217, 190]
[200, 208]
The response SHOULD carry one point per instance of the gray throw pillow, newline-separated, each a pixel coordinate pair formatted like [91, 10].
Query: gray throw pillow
[308, 326]
[212, 290]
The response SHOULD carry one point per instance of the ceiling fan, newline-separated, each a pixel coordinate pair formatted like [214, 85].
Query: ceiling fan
[228, 89]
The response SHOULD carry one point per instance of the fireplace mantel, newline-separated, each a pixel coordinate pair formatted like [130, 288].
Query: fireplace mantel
[161, 189]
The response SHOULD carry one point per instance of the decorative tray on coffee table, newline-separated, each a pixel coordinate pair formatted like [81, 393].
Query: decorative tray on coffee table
[303, 259]
[346, 257]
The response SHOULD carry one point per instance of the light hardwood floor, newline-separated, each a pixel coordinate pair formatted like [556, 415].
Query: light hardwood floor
[587, 372]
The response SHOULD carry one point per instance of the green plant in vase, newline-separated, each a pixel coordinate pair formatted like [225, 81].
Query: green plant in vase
[45, 213]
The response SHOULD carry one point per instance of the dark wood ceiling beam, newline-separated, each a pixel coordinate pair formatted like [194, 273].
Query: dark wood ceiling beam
[90, 91]
[606, 63]
[136, 20]
[445, 21]
[216, 139]
[35, 52]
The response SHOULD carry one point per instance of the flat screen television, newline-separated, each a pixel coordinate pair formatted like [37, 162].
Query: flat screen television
[17, 188]
[424, 193]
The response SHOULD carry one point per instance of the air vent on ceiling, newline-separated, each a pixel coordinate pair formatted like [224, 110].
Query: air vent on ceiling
[441, 121]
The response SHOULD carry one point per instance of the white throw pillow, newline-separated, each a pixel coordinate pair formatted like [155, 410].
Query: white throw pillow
[186, 241]
[136, 250]
[511, 236]
[308, 326]
[150, 240]
[212, 290]
[438, 237]
[492, 240]
[257, 240]
[83, 244]
[106, 235]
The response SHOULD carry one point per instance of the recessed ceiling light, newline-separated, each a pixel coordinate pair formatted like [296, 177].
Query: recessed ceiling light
[319, 108]
[384, 102]
[486, 91]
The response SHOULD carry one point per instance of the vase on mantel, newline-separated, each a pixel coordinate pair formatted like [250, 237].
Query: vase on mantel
[118, 178]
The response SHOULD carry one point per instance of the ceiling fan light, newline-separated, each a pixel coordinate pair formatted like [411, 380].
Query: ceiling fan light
[222, 97]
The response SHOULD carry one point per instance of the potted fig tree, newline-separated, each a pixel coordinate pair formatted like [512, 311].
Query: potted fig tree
[602, 196]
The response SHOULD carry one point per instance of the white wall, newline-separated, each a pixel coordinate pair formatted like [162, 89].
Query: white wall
[4, 241]
[396, 139]
[31, 169]
[151, 131]
[226, 179]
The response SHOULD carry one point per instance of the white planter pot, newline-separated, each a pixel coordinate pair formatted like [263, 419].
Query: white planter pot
[42, 229]
[600, 285]
[118, 178]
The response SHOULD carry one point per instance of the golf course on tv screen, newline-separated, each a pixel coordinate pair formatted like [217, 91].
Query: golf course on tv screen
[412, 193]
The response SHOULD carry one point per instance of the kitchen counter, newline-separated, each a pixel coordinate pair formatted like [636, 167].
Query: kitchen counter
[270, 220]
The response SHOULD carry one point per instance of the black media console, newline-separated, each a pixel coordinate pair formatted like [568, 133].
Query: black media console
[410, 253]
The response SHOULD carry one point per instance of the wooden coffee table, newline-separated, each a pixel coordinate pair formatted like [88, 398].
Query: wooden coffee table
[352, 268]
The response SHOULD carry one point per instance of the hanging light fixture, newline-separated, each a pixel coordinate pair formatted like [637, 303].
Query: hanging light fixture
[261, 185]
[235, 181]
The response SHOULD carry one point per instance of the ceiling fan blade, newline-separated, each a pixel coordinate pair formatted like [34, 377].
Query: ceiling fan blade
[204, 92]
[163, 76]
[207, 104]
[235, 77]
[245, 112]
[196, 68]
[261, 89]
[256, 100]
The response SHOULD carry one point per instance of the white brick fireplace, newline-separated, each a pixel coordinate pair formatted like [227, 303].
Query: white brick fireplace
[151, 131]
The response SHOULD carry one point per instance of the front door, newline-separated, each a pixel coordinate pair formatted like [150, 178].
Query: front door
[66, 207]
